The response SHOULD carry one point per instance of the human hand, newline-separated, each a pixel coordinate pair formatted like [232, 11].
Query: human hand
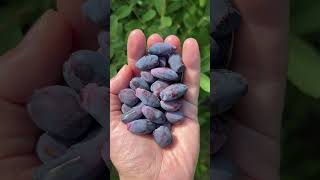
[260, 55]
[35, 63]
[139, 157]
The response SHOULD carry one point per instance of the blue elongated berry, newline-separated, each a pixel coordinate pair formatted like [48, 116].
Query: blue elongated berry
[168, 125]
[162, 49]
[49, 148]
[97, 11]
[175, 63]
[174, 105]
[125, 108]
[141, 126]
[57, 110]
[147, 76]
[158, 86]
[133, 114]
[83, 158]
[174, 117]
[165, 74]
[128, 97]
[228, 87]
[173, 92]
[95, 100]
[147, 62]
[147, 98]
[162, 62]
[163, 137]
[138, 82]
[103, 40]
[153, 114]
[84, 67]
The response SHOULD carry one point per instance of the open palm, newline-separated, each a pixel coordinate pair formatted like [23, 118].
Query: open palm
[139, 157]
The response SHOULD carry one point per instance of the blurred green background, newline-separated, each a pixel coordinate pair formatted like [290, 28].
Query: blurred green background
[189, 18]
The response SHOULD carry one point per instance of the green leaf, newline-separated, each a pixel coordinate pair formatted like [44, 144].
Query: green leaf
[189, 21]
[172, 7]
[149, 15]
[133, 24]
[304, 19]
[160, 6]
[202, 3]
[123, 12]
[205, 82]
[9, 37]
[166, 21]
[304, 66]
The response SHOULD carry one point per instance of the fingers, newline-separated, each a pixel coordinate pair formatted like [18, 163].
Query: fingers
[263, 61]
[154, 38]
[191, 59]
[136, 48]
[121, 80]
[260, 55]
[85, 32]
[174, 40]
[37, 61]
[117, 83]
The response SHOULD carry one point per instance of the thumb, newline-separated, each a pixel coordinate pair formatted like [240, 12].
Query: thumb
[37, 61]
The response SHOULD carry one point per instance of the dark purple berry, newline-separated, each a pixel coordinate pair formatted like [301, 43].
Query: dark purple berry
[134, 114]
[95, 100]
[49, 148]
[174, 117]
[138, 82]
[165, 74]
[158, 86]
[175, 63]
[153, 114]
[147, 76]
[83, 158]
[128, 97]
[84, 67]
[227, 88]
[162, 62]
[57, 110]
[225, 18]
[141, 126]
[162, 49]
[171, 105]
[163, 137]
[147, 98]
[97, 11]
[125, 108]
[147, 62]
[173, 92]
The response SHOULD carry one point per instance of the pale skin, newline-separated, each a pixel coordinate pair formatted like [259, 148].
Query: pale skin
[139, 157]
[260, 55]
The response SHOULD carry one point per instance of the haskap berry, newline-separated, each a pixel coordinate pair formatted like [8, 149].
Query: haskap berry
[160, 91]
[74, 146]
[227, 87]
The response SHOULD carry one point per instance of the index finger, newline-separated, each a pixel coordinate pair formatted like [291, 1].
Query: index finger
[136, 48]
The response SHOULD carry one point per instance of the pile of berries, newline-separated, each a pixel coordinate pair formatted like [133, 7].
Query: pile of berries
[227, 87]
[154, 100]
[74, 115]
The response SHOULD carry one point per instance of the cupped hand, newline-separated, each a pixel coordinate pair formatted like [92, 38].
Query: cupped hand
[260, 55]
[139, 157]
[35, 63]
